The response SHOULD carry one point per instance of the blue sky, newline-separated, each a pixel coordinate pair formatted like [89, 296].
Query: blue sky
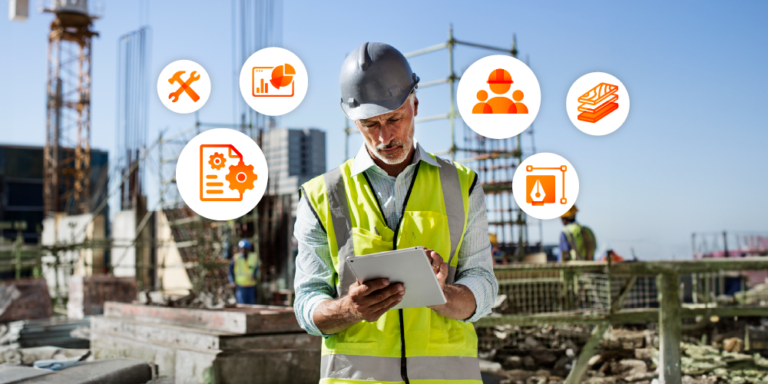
[690, 157]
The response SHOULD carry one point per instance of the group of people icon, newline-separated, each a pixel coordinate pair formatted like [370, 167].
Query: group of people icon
[500, 82]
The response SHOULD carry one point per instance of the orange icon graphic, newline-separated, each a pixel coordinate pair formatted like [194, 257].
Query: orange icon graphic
[280, 77]
[218, 183]
[541, 189]
[184, 86]
[500, 82]
[598, 102]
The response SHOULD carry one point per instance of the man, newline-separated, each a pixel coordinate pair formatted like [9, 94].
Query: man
[392, 195]
[243, 272]
[577, 242]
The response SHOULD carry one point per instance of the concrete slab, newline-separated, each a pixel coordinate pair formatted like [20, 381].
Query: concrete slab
[195, 367]
[276, 367]
[111, 347]
[113, 371]
[10, 374]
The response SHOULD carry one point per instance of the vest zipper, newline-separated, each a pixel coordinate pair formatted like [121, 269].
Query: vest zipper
[403, 360]
[403, 364]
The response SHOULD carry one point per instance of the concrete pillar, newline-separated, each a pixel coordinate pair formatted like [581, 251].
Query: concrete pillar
[669, 328]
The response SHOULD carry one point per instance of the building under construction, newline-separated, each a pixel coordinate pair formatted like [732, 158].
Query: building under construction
[142, 293]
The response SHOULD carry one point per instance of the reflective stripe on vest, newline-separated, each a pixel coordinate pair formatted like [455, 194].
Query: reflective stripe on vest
[342, 226]
[407, 344]
[454, 207]
[350, 367]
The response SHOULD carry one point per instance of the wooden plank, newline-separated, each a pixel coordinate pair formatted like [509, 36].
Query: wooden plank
[580, 266]
[242, 320]
[198, 339]
[691, 266]
[624, 316]
[232, 322]
[669, 328]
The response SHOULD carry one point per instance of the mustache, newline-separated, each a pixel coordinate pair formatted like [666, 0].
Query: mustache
[392, 144]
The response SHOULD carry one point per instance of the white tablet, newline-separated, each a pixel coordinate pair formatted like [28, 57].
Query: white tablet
[409, 266]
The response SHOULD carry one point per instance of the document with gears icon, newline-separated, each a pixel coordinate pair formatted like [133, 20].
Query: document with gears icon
[223, 174]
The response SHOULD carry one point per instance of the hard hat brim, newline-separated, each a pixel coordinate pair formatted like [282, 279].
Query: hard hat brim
[369, 110]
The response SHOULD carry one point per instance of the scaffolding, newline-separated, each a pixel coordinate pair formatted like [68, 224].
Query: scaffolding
[67, 155]
[493, 160]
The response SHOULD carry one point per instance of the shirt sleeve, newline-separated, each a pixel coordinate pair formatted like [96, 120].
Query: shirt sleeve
[475, 264]
[313, 282]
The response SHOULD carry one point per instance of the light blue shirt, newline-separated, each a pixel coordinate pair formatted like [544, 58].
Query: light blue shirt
[314, 267]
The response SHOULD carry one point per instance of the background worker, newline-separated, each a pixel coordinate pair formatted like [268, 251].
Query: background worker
[392, 195]
[577, 242]
[243, 272]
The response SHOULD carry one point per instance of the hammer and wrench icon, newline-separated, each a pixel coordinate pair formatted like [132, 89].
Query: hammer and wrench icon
[184, 86]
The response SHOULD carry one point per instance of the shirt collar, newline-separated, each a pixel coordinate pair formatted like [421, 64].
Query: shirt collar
[363, 160]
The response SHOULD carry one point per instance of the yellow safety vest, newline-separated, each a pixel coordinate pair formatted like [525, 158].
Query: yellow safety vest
[581, 240]
[413, 345]
[244, 270]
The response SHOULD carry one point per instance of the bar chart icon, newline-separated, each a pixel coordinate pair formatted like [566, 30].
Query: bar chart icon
[280, 77]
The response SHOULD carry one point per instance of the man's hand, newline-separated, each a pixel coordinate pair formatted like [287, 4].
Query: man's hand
[369, 300]
[364, 301]
[438, 266]
[460, 304]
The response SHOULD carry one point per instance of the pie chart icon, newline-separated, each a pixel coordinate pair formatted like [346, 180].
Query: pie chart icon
[282, 76]
[273, 81]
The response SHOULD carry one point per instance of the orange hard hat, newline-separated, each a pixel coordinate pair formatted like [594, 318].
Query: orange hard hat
[500, 76]
[571, 212]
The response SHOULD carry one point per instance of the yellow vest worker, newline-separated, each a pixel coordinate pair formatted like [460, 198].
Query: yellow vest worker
[577, 242]
[243, 271]
[366, 341]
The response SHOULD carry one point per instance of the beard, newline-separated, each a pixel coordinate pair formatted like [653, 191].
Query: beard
[394, 158]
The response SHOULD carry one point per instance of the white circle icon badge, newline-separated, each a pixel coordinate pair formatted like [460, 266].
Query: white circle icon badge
[273, 81]
[545, 186]
[184, 86]
[597, 103]
[498, 96]
[221, 174]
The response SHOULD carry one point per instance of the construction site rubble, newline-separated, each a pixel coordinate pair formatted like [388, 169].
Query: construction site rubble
[540, 355]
